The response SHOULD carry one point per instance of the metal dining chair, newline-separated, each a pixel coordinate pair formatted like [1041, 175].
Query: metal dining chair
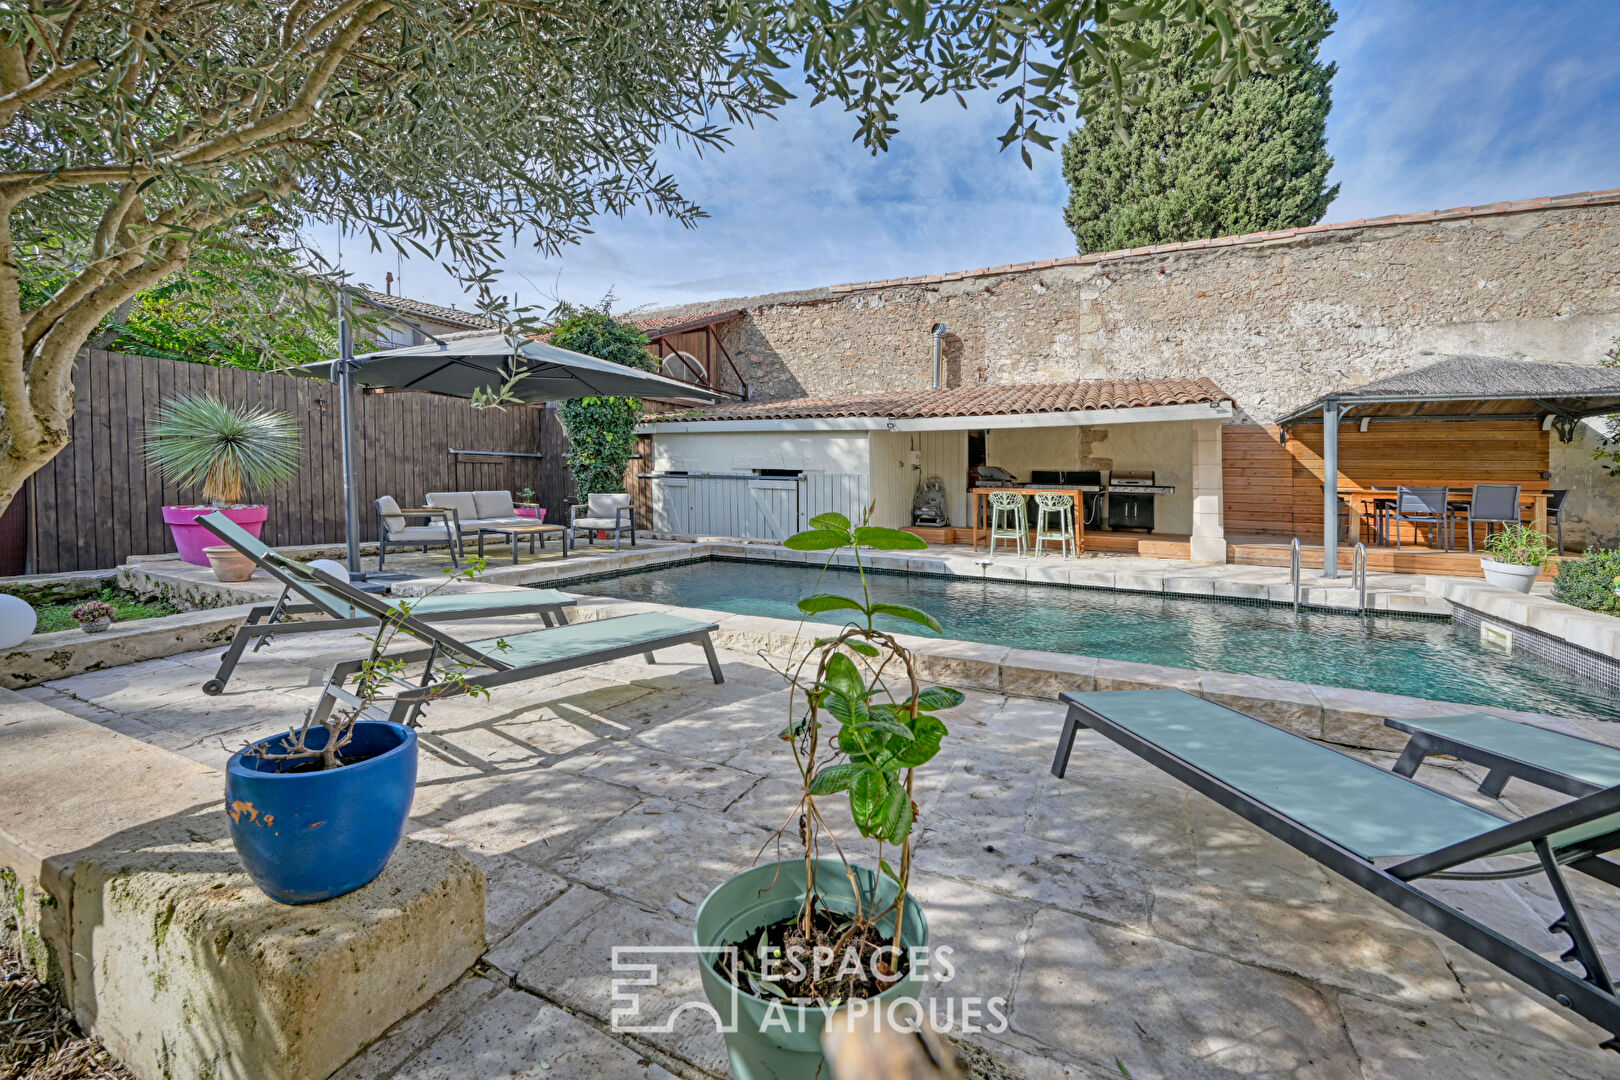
[1492, 504]
[1422, 506]
[1555, 512]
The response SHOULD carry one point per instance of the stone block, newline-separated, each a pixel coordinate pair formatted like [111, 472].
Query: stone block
[1140, 580]
[1288, 705]
[1190, 584]
[73, 652]
[183, 968]
[1356, 717]
[1028, 673]
[1125, 675]
[962, 664]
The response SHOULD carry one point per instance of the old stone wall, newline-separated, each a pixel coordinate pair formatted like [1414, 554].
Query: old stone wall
[1274, 323]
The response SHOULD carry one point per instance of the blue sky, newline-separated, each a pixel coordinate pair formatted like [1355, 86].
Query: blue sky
[1436, 104]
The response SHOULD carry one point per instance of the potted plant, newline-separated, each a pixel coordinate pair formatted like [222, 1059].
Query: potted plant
[1516, 556]
[317, 811]
[859, 725]
[223, 450]
[527, 507]
[94, 616]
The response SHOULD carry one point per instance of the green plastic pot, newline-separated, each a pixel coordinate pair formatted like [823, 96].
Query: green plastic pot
[757, 897]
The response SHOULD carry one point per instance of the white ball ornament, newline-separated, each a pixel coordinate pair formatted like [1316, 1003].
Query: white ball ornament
[17, 620]
[333, 567]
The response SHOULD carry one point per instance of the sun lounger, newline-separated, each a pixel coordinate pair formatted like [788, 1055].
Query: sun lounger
[1509, 749]
[1377, 829]
[502, 660]
[323, 611]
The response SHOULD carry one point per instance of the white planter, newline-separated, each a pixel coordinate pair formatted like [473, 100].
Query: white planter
[1509, 575]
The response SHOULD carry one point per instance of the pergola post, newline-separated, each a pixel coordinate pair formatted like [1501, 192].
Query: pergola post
[1330, 488]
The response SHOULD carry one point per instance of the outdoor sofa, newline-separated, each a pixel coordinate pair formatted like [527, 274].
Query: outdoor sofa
[1379, 830]
[503, 660]
[320, 610]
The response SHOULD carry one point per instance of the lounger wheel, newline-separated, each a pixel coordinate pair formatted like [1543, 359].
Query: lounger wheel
[214, 687]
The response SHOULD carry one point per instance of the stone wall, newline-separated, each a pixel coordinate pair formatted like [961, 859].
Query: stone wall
[1275, 323]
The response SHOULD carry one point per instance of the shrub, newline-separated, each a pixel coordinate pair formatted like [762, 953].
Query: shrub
[1589, 582]
[1519, 545]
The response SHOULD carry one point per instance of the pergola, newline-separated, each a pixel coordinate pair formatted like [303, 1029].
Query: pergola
[1456, 389]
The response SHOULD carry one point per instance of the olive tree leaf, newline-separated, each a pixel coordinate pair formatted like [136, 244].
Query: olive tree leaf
[901, 611]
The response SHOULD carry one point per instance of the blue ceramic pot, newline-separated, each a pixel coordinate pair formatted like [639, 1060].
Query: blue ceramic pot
[308, 836]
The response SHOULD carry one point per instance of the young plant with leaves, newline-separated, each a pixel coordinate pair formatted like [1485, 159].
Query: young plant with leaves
[376, 675]
[867, 725]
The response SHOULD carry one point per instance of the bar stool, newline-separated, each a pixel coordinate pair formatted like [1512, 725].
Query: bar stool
[1007, 520]
[1048, 503]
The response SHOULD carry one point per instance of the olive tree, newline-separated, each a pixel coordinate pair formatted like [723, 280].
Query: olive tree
[133, 132]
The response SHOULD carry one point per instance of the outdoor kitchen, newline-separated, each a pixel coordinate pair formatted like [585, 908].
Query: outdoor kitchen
[1137, 462]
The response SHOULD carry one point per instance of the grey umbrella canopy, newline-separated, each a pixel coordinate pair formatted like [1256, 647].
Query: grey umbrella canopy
[458, 368]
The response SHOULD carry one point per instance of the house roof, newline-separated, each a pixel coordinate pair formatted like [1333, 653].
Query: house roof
[437, 312]
[1518, 206]
[967, 401]
[1480, 386]
[660, 325]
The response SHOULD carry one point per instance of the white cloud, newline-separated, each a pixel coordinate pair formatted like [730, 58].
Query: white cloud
[1435, 105]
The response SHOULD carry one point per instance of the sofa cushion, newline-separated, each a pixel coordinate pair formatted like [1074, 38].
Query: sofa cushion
[393, 520]
[606, 506]
[600, 523]
[494, 504]
[459, 501]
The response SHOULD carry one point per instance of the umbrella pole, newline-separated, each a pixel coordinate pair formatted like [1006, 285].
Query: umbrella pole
[351, 497]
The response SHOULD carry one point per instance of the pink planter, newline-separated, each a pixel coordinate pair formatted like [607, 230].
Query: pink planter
[190, 538]
[532, 511]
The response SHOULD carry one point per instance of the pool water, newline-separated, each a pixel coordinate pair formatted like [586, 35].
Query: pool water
[1424, 658]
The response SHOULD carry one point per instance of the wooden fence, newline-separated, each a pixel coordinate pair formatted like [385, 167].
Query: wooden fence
[98, 501]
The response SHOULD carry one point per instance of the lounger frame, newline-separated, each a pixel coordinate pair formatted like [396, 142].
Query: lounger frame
[1593, 997]
[266, 621]
[1502, 767]
[406, 707]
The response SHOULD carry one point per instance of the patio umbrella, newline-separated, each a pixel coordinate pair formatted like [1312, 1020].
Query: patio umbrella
[458, 368]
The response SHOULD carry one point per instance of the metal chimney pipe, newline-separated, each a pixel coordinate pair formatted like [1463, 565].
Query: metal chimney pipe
[939, 371]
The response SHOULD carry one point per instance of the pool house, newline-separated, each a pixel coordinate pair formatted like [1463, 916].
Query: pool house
[762, 471]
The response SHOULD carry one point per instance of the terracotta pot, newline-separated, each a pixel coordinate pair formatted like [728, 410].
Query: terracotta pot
[228, 563]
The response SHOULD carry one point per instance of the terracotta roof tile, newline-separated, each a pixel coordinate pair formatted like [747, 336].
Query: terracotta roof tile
[695, 320]
[437, 312]
[969, 401]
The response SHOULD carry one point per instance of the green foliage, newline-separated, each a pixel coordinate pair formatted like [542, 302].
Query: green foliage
[1251, 161]
[1520, 545]
[126, 606]
[864, 679]
[1590, 581]
[1608, 451]
[601, 430]
[225, 450]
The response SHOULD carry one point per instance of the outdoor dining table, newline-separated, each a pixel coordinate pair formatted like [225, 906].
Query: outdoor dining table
[981, 497]
[1361, 502]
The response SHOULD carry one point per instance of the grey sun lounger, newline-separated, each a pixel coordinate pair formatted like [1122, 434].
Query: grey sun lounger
[1379, 830]
[1510, 749]
[321, 610]
[502, 660]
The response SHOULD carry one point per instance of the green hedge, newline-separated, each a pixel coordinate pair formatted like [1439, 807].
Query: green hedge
[1588, 582]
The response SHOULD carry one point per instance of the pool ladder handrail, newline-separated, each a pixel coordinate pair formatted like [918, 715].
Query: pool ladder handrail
[1293, 572]
[1358, 576]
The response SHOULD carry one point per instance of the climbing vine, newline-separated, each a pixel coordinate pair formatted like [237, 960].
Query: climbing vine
[601, 430]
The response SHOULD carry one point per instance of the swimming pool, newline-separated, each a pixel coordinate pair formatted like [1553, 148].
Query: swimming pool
[1424, 658]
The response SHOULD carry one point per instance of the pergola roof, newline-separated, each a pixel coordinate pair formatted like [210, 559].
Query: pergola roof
[1478, 387]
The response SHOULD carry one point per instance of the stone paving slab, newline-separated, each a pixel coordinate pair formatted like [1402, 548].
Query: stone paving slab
[1131, 923]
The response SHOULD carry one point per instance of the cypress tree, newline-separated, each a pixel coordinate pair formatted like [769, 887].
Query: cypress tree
[1252, 161]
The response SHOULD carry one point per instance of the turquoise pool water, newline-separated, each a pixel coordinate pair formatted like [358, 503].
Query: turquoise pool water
[1424, 658]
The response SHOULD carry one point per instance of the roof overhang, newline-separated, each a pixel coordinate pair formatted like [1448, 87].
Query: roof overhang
[1150, 414]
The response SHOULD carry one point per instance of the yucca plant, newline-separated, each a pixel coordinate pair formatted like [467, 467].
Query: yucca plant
[199, 441]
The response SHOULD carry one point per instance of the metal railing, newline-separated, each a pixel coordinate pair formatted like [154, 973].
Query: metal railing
[1293, 572]
[1358, 577]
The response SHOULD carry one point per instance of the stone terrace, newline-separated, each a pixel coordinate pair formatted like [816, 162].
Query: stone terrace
[1131, 924]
